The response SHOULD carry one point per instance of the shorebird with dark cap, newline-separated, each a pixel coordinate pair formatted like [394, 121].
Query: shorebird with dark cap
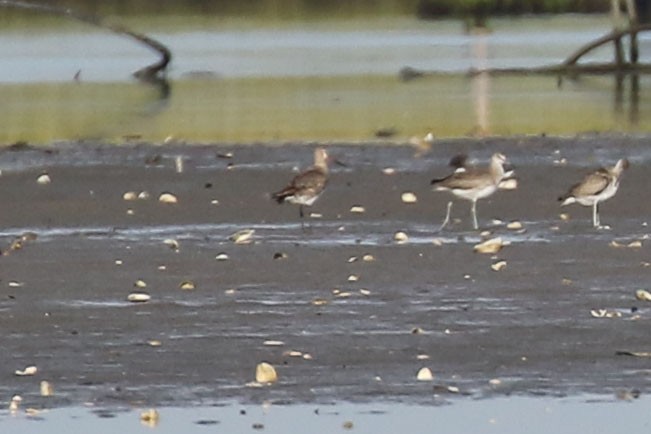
[595, 188]
[307, 186]
[472, 183]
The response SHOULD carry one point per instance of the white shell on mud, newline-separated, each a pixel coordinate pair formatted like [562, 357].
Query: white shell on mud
[353, 278]
[358, 209]
[138, 297]
[368, 258]
[514, 225]
[130, 195]
[15, 403]
[409, 197]
[498, 266]
[389, 171]
[643, 295]
[273, 343]
[265, 373]
[167, 198]
[46, 388]
[143, 195]
[187, 285]
[424, 374]
[44, 179]
[222, 257]
[140, 283]
[171, 243]
[29, 370]
[400, 237]
[242, 237]
[490, 246]
[508, 184]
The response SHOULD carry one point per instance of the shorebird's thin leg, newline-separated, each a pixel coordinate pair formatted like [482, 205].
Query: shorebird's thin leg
[301, 215]
[473, 210]
[595, 215]
[447, 217]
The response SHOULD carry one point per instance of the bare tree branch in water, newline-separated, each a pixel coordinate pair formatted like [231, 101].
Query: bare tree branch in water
[569, 67]
[153, 73]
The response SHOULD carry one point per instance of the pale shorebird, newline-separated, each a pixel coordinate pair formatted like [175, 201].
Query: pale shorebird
[595, 188]
[307, 186]
[472, 183]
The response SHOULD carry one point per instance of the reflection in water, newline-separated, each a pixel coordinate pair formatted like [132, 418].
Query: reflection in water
[481, 85]
[620, 97]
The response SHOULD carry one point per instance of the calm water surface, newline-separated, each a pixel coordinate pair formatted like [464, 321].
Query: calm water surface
[241, 80]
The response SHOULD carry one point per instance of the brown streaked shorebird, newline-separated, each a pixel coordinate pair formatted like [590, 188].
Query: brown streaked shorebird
[595, 188]
[472, 183]
[307, 186]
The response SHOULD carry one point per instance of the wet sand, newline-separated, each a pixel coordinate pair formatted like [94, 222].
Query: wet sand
[528, 327]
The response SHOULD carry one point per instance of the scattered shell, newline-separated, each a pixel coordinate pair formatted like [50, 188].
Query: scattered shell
[500, 265]
[46, 388]
[508, 184]
[514, 225]
[154, 343]
[352, 259]
[409, 197]
[294, 353]
[357, 209]
[280, 255]
[343, 294]
[214, 202]
[187, 285]
[118, 262]
[634, 244]
[230, 291]
[437, 242]
[162, 267]
[364, 291]
[315, 215]
[138, 297]
[604, 313]
[307, 356]
[643, 295]
[130, 211]
[417, 331]
[167, 198]
[564, 216]
[144, 195]
[368, 258]
[140, 283]
[490, 246]
[265, 373]
[353, 278]
[150, 417]
[43, 179]
[242, 237]
[171, 243]
[130, 195]
[422, 357]
[389, 171]
[348, 425]
[222, 257]
[319, 301]
[424, 374]
[15, 284]
[30, 370]
[494, 381]
[272, 343]
[15, 402]
[29, 236]
[566, 282]
[400, 237]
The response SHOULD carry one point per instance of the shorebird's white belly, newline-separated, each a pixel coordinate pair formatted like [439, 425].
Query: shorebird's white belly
[306, 200]
[475, 193]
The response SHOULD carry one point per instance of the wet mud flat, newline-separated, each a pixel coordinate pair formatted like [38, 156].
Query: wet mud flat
[340, 309]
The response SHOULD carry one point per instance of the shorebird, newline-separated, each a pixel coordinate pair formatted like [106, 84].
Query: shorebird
[595, 188]
[307, 186]
[472, 183]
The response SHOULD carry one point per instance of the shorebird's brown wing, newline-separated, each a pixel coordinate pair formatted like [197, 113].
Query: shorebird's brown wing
[464, 180]
[591, 185]
[310, 182]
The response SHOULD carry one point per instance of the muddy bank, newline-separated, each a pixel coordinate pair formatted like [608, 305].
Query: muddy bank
[431, 302]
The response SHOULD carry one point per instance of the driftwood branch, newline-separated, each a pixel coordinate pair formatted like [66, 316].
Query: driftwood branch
[569, 67]
[151, 73]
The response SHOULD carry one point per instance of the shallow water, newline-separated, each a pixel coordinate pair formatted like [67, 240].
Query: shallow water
[500, 415]
[325, 80]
